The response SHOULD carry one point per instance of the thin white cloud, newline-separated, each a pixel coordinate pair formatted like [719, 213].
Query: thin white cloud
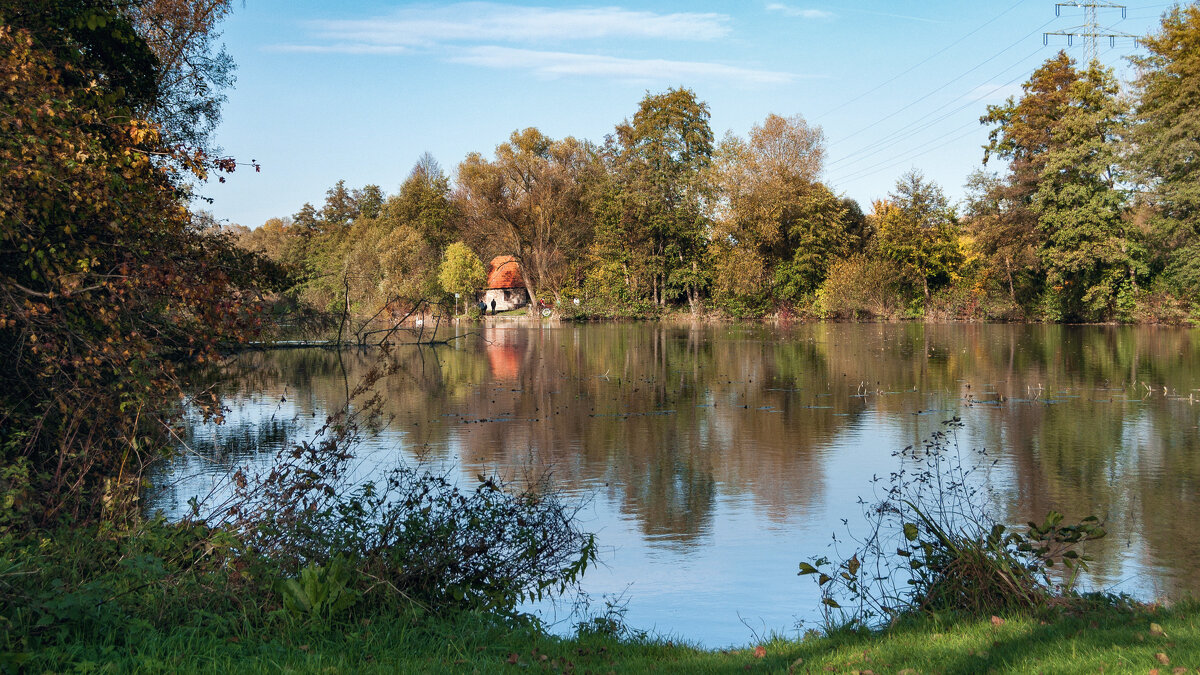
[563, 64]
[491, 22]
[788, 10]
[343, 48]
[906, 17]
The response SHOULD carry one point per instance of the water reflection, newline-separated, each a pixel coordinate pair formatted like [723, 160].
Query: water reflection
[718, 457]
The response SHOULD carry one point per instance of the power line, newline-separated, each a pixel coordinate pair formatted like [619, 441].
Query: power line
[1091, 32]
[926, 151]
[927, 95]
[891, 162]
[904, 131]
[921, 63]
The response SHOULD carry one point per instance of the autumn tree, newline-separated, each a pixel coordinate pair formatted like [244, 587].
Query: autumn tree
[528, 202]
[918, 229]
[778, 228]
[106, 283]
[276, 239]
[193, 68]
[1166, 143]
[1001, 212]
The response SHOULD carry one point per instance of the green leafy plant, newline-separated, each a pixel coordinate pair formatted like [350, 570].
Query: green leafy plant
[320, 591]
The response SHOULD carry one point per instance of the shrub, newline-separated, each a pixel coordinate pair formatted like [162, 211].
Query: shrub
[970, 299]
[412, 534]
[931, 544]
[861, 287]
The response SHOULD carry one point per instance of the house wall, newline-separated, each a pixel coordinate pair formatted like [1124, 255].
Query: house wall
[506, 298]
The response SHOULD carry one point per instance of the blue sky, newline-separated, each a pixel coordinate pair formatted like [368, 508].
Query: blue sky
[358, 90]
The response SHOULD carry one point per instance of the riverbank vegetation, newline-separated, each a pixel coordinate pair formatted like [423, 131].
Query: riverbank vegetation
[112, 293]
[1084, 210]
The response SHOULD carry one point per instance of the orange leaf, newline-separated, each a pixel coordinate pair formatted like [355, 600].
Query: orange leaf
[760, 651]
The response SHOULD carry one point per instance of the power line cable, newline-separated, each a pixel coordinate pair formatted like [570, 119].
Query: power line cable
[923, 123]
[894, 164]
[938, 89]
[921, 63]
[860, 173]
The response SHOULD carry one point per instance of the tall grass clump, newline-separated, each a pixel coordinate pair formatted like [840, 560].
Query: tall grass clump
[931, 544]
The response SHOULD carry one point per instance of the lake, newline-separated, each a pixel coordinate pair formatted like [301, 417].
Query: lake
[712, 459]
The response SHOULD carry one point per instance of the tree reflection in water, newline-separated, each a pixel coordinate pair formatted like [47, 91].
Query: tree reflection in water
[680, 431]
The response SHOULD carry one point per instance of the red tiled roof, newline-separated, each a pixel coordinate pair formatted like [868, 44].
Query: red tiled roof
[504, 272]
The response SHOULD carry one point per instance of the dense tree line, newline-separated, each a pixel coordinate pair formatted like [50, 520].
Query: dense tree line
[1092, 214]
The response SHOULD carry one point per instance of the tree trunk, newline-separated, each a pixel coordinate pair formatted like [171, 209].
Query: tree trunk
[1012, 294]
[533, 301]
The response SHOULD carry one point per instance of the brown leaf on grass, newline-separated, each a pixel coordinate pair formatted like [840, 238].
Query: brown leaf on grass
[1179, 671]
[1162, 658]
[513, 658]
[760, 651]
[997, 621]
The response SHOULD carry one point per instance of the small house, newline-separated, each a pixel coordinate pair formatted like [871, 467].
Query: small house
[504, 285]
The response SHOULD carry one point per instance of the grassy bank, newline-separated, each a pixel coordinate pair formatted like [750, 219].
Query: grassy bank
[1104, 639]
[172, 598]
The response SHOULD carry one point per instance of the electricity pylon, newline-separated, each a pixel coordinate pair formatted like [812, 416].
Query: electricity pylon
[1090, 31]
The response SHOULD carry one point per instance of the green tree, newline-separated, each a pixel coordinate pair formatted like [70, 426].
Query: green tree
[409, 268]
[918, 229]
[461, 271]
[368, 201]
[340, 208]
[1089, 253]
[1166, 142]
[424, 203]
[658, 199]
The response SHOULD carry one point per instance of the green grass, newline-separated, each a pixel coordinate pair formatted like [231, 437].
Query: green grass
[1104, 639]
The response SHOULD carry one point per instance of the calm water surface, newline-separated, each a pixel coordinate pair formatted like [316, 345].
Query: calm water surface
[714, 459]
